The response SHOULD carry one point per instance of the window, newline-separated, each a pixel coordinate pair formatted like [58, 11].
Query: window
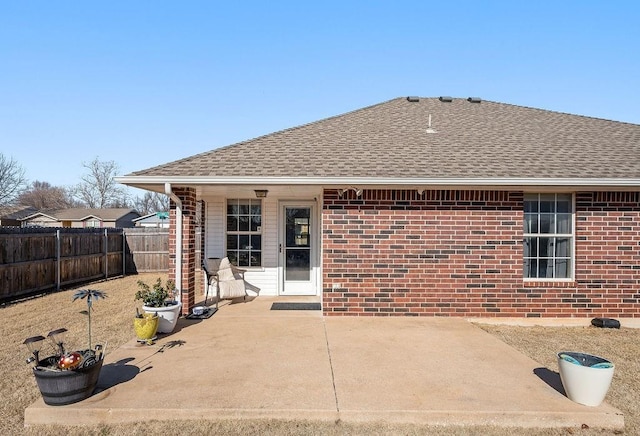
[244, 232]
[548, 236]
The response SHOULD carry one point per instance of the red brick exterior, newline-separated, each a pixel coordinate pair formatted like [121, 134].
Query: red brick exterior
[188, 288]
[459, 253]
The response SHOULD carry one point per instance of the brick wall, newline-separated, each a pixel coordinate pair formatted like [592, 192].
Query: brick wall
[608, 253]
[459, 253]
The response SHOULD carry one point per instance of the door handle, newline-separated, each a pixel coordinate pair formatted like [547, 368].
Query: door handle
[280, 248]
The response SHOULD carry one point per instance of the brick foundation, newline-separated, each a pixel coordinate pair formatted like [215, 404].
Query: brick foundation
[459, 253]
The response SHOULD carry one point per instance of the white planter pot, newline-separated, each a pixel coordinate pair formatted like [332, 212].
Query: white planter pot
[168, 316]
[586, 378]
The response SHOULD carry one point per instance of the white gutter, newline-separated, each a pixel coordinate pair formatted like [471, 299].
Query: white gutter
[178, 202]
[476, 181]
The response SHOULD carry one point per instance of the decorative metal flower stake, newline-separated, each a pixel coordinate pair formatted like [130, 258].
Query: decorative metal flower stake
[90, 294]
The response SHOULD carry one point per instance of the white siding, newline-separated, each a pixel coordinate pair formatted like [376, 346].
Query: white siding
[214, 227]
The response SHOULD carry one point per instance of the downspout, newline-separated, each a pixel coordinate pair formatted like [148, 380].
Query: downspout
[178, 202]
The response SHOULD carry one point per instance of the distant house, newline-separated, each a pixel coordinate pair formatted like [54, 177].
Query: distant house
[156, 219]
[10, 216]
[82, 218]
[420, 206]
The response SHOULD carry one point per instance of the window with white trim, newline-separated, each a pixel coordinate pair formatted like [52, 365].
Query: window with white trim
[548, 236]
[244, 232]
[93, 223]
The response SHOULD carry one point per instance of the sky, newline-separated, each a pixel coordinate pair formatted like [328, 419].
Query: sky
[146, 82]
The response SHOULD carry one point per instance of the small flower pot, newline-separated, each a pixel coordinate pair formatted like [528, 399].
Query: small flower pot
[146, 327]
[586, 378]
[168, 316]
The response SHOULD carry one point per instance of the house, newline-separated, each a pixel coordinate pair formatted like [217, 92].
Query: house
[421, 206]
[10, 216]
[155, 219]
[82, 218]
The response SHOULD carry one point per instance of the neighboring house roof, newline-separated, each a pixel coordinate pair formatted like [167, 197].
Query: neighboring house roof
[81, 214]
[155, 217]
[465, 141]
[16, 212]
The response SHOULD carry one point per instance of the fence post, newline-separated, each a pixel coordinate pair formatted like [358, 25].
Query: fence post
[124, 260]
[58, 260]
[106, 254]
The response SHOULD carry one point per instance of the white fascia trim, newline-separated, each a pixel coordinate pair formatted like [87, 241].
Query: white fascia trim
[363, 181]
[39, 214]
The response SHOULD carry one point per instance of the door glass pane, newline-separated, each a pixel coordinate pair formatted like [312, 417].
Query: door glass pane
[297, 254]
[298, 264]
[297, 230]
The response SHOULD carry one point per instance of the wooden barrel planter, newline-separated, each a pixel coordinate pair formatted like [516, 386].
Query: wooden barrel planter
[66, 387]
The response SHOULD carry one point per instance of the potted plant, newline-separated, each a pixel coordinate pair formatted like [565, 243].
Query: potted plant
[156, 300]
[67, 376]
[145, 325]
[586, 378]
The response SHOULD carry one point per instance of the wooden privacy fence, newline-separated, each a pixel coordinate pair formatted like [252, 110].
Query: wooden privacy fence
[147, 249]
[36, 260]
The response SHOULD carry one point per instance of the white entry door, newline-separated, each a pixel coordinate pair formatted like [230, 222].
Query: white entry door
[297, 248]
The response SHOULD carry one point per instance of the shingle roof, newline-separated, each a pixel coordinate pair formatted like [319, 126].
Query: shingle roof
[390, 140]
[16, 212]
[77, 214]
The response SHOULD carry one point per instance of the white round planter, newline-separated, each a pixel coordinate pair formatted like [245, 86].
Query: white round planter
[586, 378]
[168, 316]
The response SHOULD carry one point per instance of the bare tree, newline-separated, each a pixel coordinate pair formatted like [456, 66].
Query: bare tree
[12, 179]
[98, 188]
[151, 202]
[41, 195]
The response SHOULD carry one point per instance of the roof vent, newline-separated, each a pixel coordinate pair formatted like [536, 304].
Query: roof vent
[413, 99]
[446, 99]
[474, 99]
[429, 128]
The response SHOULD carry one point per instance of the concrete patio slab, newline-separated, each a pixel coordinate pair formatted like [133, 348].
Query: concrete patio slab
[248, 361]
